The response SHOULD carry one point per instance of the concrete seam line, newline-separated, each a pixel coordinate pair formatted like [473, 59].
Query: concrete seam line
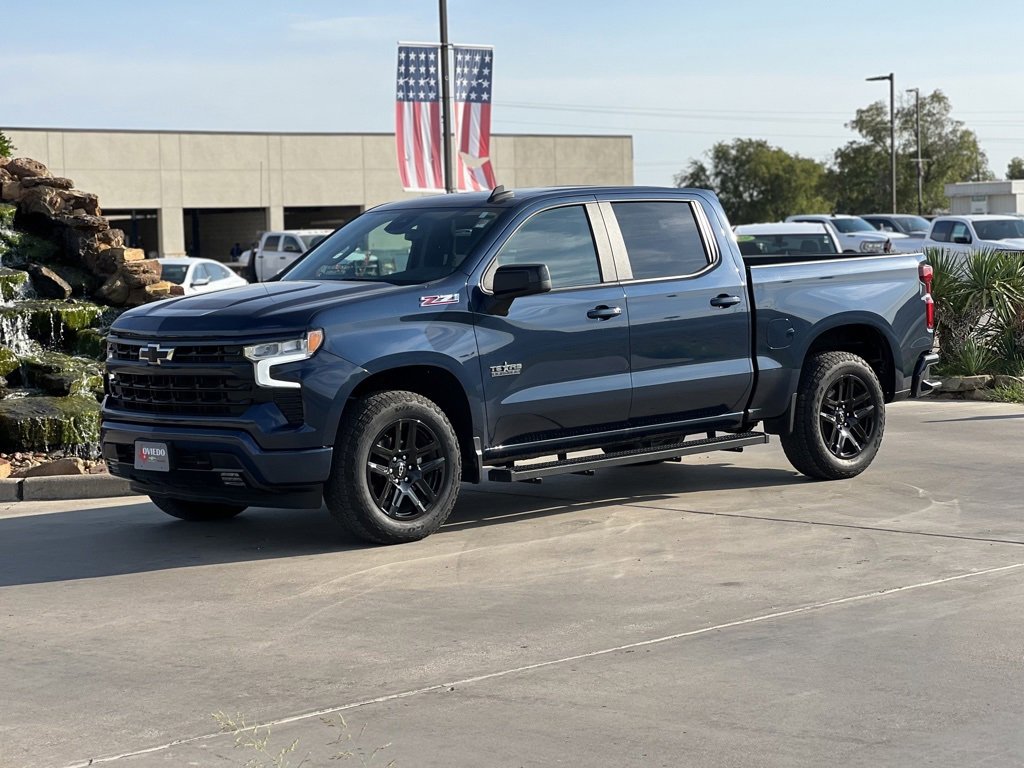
[569, 502]
[565, 660]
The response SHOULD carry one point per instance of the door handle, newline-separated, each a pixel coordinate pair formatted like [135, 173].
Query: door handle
[724, 300]
[603, 312]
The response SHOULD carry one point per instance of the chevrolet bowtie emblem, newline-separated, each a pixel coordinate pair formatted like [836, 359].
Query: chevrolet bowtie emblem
[154, 354]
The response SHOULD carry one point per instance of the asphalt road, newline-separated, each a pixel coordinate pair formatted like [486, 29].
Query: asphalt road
[720, 612]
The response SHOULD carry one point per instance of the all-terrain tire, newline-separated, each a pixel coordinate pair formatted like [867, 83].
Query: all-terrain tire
[196, 511]
[840, 417]
[396, 468]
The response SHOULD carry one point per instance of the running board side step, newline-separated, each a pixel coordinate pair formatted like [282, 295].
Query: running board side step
[587, 464]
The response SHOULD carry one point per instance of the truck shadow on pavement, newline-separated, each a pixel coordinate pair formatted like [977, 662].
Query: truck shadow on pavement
[102, 540]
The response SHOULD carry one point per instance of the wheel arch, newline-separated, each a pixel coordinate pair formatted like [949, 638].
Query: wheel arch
[864, 339]
[859, 335]
[442, 387]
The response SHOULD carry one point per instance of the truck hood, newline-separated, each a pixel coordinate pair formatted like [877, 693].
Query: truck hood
[1008, 243]
[253, 310]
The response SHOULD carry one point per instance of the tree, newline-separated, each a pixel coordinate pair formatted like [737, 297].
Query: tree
[859, 177]
[5, 146]
[1015, 170]
[758, 182]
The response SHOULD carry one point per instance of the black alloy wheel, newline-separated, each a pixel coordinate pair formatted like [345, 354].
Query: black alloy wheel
[848, 417]
[406, 469]
[839, 419]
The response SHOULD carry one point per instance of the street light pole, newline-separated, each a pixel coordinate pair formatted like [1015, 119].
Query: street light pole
[892, 132]
[920, 162]
[446, 129]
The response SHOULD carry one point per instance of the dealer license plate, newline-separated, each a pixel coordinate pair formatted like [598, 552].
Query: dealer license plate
[152, 456]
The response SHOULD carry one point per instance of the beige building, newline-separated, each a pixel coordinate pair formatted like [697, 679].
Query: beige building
[986, 197]
[200, 192]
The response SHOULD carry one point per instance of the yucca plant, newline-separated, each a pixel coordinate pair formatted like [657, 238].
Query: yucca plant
[979, 301]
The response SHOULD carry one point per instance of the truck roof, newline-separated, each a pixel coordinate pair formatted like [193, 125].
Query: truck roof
[528, 194]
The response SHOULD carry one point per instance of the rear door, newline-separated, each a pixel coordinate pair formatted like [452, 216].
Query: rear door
[690, 353]
[557, 363]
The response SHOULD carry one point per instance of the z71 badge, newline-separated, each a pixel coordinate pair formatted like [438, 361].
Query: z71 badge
[435, 301]
[507, 369]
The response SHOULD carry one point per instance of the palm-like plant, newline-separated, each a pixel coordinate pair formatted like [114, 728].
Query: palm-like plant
[979, 302]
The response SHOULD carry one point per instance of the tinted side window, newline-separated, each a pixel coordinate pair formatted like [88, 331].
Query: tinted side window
[662, 239]
[291, 245]
[560, 238]
[941, 230]
[272, 243]
[217, 272]
[960, 230]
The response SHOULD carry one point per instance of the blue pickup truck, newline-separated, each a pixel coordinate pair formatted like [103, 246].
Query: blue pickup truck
[453, 338]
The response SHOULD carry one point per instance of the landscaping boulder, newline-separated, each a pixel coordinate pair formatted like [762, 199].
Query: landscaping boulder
[22, 167]
[48, 284]
[70, 465]
[58, 182]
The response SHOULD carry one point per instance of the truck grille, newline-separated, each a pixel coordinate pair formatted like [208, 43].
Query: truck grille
[122, 351]
[181, 393]
[189, 379]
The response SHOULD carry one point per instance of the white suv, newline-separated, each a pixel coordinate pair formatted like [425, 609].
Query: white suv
[855, 235]
[962, 234]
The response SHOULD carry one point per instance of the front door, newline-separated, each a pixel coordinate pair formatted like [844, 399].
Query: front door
[690, 354]
[556, 363]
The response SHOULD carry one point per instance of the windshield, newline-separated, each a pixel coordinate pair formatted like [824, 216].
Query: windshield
[810, 244]
[310, 240]
[852, 225]
[405, 247]
[908, 224]
[999, 229]
[173, 273]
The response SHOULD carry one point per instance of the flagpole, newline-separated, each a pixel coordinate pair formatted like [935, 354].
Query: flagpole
[446, 125]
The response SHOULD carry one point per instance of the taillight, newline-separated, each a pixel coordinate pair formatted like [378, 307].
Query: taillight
[925, 272]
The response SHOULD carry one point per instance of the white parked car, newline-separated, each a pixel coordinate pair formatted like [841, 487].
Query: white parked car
[787, 239]
[198, 275]
[277, 250]
[855, 234]
[978, 232]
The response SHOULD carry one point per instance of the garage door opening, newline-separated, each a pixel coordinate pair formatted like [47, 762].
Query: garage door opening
[319, 217]
[139, 227]
[212, 233]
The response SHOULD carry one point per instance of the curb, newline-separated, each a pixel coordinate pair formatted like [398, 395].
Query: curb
[64, 488]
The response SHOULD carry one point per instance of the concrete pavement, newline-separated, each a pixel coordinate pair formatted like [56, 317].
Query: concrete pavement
[720, 612]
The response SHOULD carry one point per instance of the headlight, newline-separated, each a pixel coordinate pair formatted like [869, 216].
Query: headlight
[872, 246]
[273, 353]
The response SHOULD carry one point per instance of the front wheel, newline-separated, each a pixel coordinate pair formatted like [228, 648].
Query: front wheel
[839, 420]
[196, 511]
[396, 468]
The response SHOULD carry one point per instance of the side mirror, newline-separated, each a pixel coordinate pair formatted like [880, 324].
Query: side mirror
[962, 239]
[514, 280]
[200, 282]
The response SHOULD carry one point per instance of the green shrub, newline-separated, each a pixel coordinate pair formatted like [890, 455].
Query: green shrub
[6, 148]
[979, 303]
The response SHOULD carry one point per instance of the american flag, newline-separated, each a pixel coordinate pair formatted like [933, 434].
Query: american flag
[418, 118]
[472, 88]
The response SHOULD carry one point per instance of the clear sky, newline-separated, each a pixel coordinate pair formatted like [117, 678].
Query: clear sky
[678, 76]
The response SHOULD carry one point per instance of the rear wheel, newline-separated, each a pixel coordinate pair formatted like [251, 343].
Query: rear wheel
[196, 511]
[840, 417]
[396, 468]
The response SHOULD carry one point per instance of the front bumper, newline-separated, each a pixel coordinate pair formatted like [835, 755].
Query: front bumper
[218, 465]
[921, 384]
